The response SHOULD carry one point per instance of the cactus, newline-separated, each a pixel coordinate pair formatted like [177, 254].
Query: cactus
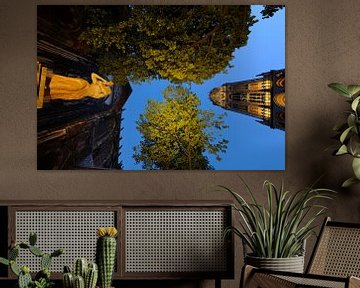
[14, 268]
[105, 254]
[87, 272]
[32, 238]
[45, 261]
[79, 282]
[44, 273]
[80, 268]
[57, 252]
[91, 276]
[13, 253]
[24, 280]
[42, 278]
[68, 280]
[4, 261]
[36, 251]
[67, 269]
[24, 245]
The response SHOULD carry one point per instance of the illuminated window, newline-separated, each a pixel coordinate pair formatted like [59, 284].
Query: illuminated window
[259, 85]
[262, 112]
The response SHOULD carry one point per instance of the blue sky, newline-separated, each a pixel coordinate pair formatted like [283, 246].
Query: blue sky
[252, 146]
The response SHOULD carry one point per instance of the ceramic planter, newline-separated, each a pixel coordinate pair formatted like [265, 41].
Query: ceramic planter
[291, 264]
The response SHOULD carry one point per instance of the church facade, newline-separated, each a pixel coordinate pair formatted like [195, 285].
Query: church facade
[262, 97]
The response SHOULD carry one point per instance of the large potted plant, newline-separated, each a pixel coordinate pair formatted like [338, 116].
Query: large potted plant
[275, 234]
[349, 131]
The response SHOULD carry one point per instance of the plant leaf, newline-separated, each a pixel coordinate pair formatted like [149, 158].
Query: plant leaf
[356, 167]
[353, 89]
[345, 134]
[349, 182]
[342, 150]
[340, 88]
[351, 120]
[355, 103]
[4, 261]
[354, 146]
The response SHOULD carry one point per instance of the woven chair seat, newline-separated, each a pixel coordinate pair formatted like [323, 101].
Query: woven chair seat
[335, 262]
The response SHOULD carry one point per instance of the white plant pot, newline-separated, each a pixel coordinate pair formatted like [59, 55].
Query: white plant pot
[291, 264]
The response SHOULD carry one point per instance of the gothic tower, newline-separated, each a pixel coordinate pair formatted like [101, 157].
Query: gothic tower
[262, 97]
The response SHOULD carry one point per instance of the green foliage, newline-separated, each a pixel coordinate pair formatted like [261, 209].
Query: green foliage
[176, 133]
[279, 229]
[178, 43]
[42, 278]
[270, 10]
[43, 283]
[349, 131]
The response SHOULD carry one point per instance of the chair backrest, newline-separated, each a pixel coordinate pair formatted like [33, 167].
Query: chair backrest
[337, 251]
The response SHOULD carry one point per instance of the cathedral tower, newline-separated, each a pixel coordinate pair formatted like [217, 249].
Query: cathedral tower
[262, 97]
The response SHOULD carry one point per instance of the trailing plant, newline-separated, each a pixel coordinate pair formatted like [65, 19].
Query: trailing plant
[105, 254]
[279, 229]
[84, 274]
[349, 132]
[42, 278]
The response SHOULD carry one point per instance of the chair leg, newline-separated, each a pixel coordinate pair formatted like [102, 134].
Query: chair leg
[217, 283]
[354, 282]
[250, 278]
[246, 274]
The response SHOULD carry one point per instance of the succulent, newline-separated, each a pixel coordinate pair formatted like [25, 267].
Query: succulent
[79, 282]
[42, 283]
[91, 276]
[85, 275]
[24, 277]
[42, 278]
[81, 267]
[106, 254]
[67, 278]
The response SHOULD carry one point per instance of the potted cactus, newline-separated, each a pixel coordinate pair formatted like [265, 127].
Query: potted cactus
[106, 254]
[42, 278]
[84, 275]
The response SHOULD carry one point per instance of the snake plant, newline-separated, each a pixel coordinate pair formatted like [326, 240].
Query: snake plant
[279, 228]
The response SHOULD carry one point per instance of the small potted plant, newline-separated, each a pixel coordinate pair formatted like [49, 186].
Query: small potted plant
[106, 254]
[84, 274]
[349, 131]
[42, 278]
[276, 233]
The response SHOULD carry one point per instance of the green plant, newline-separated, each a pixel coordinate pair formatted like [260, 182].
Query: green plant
[105, 254]
[349, 132]
[43, 283]
[279, 229]
[42, 278]
[85, 275]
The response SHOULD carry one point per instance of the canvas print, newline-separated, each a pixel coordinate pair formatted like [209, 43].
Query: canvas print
[170, 87]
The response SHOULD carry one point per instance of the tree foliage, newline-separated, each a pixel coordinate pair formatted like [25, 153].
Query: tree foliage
[176, 133]
[270, 10]
[178, 43]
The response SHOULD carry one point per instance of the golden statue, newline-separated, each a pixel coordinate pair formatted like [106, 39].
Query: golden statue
[69, 88]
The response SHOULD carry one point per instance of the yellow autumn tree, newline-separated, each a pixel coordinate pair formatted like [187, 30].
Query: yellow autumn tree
[176, 133]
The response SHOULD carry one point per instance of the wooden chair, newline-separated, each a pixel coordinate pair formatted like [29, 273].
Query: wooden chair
[335, 262]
